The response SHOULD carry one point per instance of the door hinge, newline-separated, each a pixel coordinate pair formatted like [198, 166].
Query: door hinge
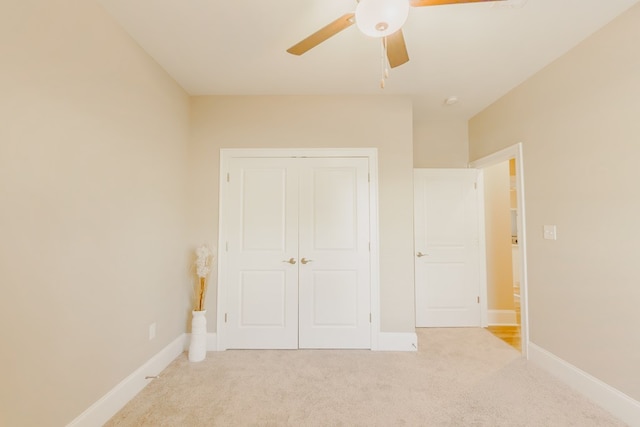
[368, 177]
[478, 299]
[226, 246]
[225, 318]
[475, 185]
[369, 317]
[369, 246]
[227, 176]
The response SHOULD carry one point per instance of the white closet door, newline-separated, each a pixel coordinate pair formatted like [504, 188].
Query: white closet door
[334, 286]
[446, 244]
[313, 212]
[262, 287]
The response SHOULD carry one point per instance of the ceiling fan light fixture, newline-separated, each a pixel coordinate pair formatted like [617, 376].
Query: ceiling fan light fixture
[380, 18]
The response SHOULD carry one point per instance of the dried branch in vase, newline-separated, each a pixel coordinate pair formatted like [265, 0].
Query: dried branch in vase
[201, 292]
[203, 267]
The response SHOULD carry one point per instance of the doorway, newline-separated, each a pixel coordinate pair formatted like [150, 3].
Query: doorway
[501, 243]
[296, 266]
[510, 160]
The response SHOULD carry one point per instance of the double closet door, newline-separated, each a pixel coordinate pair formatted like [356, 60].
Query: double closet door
[298, 268]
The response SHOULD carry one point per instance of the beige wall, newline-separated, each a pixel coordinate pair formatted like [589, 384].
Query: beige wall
[578, 121]
[440, 144]
[498, 237]
[93, 140]
[317, 121]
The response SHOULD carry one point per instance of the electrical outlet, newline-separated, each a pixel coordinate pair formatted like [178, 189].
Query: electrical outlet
[152, 331]
[550, 232]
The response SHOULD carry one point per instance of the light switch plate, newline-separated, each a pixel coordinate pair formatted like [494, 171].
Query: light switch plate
[152, 331]
[550, 232]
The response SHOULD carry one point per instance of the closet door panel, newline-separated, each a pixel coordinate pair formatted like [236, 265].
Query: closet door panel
[263, 235]
[334, 288]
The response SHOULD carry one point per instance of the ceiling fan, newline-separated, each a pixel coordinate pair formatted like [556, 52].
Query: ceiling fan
[376, 18]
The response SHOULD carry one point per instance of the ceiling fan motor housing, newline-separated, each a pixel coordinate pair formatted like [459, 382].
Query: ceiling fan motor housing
[380, 18]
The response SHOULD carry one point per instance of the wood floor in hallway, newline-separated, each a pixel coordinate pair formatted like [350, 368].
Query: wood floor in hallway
[507, 333]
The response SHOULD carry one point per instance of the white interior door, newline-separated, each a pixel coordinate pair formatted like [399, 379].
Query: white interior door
[447, 248]
[262, 230]
[297, 253]
[334, 290]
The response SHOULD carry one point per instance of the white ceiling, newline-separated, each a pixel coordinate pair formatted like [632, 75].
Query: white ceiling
[476, 52]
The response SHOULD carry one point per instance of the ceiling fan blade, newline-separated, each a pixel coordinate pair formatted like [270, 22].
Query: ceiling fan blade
[420, 3]
[396, 49]
[345, 21]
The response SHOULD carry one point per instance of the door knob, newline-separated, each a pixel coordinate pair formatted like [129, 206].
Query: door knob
[305, 261]
[291, 260]
[420, 254]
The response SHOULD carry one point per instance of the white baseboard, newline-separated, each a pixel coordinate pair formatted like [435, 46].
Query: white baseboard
[502, 317]
[397, 341]
[212, 341]
[105, 408]
[611, 399]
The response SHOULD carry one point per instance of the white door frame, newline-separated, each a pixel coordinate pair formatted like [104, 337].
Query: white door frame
[512, 152]
[371, 153]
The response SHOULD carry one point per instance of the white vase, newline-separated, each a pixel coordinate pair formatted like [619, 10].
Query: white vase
[198, 343]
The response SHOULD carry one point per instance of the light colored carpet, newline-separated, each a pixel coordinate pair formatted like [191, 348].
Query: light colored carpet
[460, 377]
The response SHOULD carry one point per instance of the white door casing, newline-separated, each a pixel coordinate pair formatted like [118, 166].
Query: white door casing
[297, 270]
[446, 226]
[512, 152]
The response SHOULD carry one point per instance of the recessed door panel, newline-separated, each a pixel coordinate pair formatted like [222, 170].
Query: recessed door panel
[447, 280]
[444, 212]
[263, 209]
[335, 208]
[448, 299]
[263, 299]
[339, 290]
